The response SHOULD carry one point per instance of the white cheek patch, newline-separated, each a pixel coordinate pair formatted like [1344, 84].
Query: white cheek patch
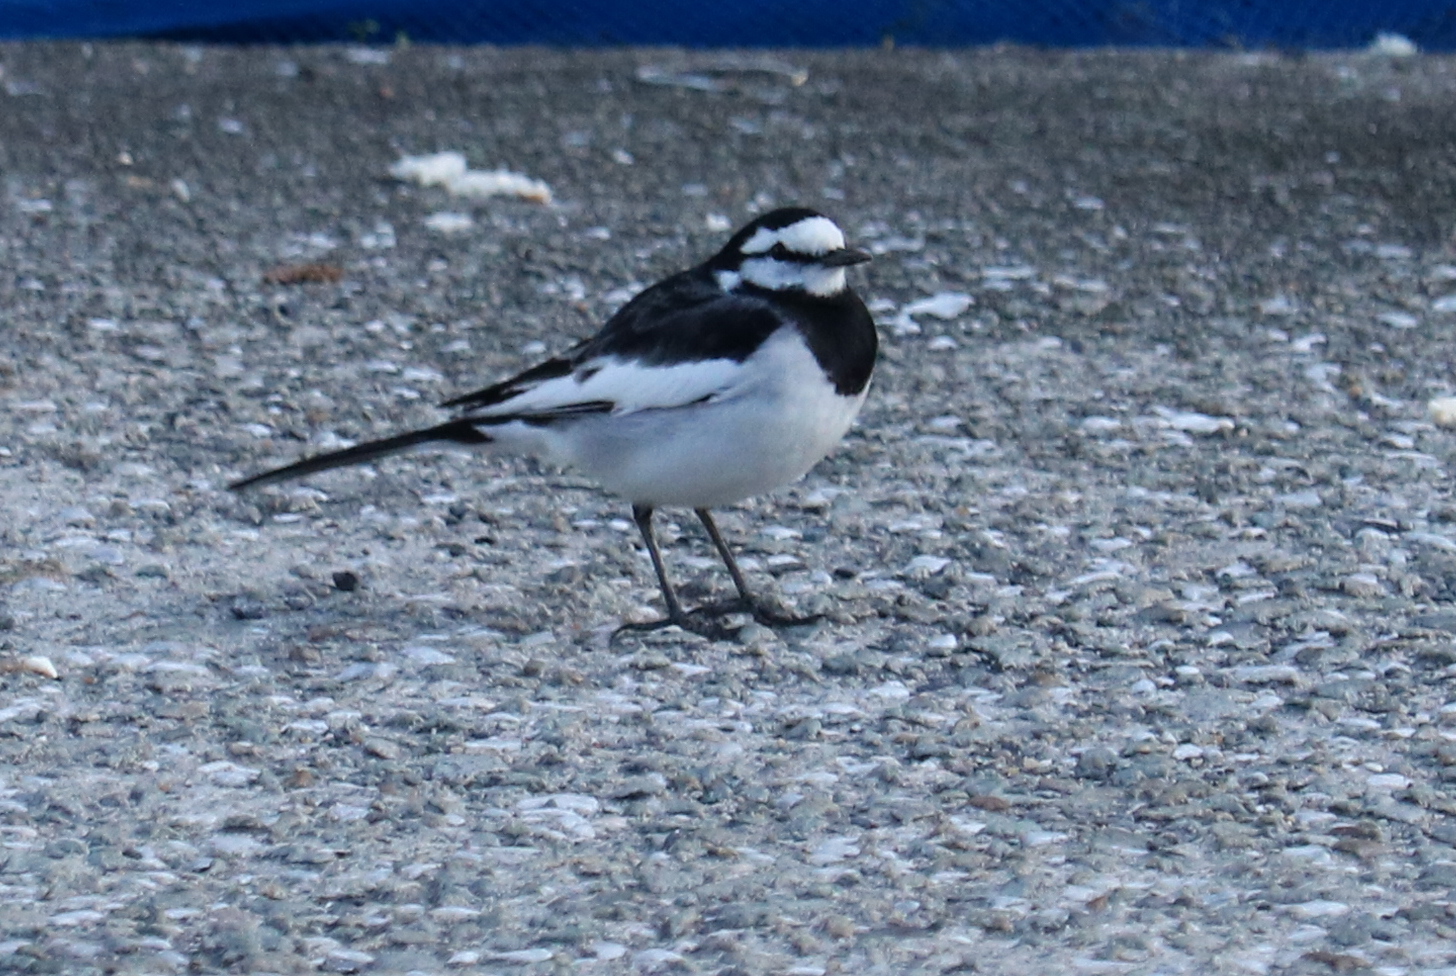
[786, 275]
[771, 274]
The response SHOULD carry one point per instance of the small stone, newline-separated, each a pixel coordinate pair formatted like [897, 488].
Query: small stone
[1362, 585]
[523, 956]
[652, 784]
[1443, 411]
[347, 961]
[382, 748]
[1438, 876]
[755, 634]
[989, 802]
[345, 581]
[1096, 763]
[247, 607]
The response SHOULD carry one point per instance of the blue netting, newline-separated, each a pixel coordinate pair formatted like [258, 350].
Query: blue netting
[748, 23]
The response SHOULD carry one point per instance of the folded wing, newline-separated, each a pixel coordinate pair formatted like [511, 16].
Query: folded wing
[678, 343]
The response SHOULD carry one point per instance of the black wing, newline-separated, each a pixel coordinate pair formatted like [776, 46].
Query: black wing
[685, 318]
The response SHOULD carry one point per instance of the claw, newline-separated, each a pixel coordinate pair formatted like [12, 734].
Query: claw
[693, 623]
[704, 621]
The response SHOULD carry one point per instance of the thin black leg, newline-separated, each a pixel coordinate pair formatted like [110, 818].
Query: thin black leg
[726, 554]
[642, 515]
[703, 620]
[762, 612]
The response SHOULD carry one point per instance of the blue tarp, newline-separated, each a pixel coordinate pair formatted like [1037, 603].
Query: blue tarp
[1252, 24]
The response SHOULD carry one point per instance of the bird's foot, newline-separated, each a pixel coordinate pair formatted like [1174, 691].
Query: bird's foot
[768, 613]
[706, 621]
[771, 613]
[695, 622]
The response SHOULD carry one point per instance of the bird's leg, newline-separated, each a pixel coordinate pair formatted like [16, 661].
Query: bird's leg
[701, 621]
[762, 612]
[642, 515]
[727, 555]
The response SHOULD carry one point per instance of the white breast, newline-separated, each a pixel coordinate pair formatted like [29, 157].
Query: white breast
[769, 430]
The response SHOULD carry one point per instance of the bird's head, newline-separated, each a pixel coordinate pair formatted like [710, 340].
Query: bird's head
[791, 249]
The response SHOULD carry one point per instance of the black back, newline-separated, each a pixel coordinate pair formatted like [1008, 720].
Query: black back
[688, 317]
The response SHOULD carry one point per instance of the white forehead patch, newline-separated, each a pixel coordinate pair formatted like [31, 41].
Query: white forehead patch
[812, 235]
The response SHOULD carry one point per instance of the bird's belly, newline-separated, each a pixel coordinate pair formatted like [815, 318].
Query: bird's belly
[713, 453]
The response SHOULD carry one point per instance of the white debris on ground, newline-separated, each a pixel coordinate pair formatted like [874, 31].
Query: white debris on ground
[1388, 44]
[449, 170]
[1443, 411]
[944, 305]
[449, 222]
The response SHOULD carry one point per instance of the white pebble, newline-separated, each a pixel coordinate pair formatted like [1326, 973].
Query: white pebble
[1318, 909]
[523, 956]
[1193, 423]
[1443, 411]
[224, 773]
[926, 565]
[1100, 425]
[1278, 305]
[1308, 498]
[1398, 320]
[1362, 585]
[424, 656]
[942, 305]
[448, 222]
[1388, 781]
[834, 849]
[1267, 674]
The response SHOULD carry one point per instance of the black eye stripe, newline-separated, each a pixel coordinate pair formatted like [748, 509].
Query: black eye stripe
[781, 253]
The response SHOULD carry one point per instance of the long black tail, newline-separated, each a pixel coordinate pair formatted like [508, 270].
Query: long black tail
[456, 431]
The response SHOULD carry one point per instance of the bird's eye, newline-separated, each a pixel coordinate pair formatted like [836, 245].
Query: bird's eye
[778, 251]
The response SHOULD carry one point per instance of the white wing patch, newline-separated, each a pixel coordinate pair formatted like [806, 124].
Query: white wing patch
[628, 384]
[812, 235]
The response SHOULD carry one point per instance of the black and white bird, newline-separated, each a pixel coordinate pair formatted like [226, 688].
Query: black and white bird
[718, 383]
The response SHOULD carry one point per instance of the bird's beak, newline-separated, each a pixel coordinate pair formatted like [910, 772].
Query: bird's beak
[843, 258]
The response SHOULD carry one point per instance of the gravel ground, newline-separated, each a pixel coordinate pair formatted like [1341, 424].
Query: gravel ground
[1138, 573]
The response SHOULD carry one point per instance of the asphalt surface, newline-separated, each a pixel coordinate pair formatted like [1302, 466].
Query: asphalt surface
[1137, 572]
